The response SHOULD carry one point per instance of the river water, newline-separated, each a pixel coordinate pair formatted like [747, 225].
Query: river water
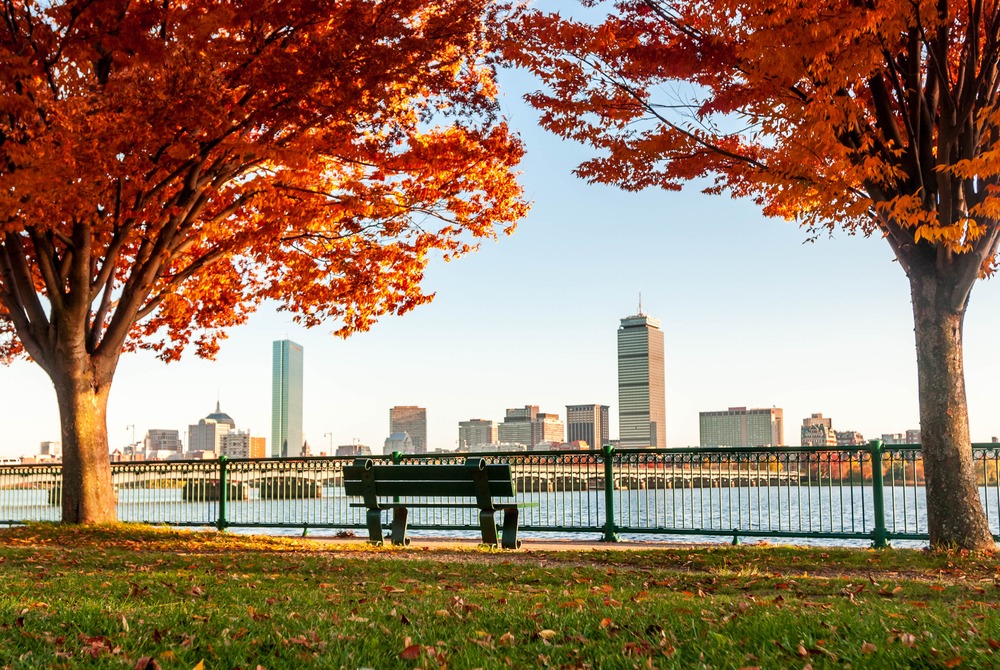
[695, 514]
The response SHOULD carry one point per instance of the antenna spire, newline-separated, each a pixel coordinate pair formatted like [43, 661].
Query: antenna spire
[640, 303]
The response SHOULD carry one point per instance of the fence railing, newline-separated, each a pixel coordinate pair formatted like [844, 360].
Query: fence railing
[873, 493]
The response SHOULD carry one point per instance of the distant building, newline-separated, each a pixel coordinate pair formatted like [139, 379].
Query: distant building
[354, 450]
[160, 440]
[894, 438]
[207, 434]
[913, 436]
[400, 442]
[588, 423]
[527, 426]
[817, 431]
[500, 447]
[286, 399]
[850, 438]
[642, 409]
[258, 447]
[51, 449]
[476, 434]
[742, 427]
[236, 444]
[411, 420]
[575, 445]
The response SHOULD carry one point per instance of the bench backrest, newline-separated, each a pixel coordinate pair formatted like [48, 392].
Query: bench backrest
[473, 479]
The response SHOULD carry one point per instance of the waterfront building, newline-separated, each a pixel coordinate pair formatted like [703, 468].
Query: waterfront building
[207, 434]
[850, 438]
[588, 423]
[817, 431]
[527, 426]
[354, 450]
[742, 427]
[411, 420]
[642, 410]
[52, 450]
[476, 434]
[286, 399]
[913, 436]
[258, 447]
[400, 442]
[893, 438]
[163, 442]
[236, 444]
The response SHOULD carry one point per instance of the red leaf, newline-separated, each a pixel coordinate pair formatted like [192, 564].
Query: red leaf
[410, 653]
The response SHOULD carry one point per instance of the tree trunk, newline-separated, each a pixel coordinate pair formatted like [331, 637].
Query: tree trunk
[88, 494]
[955, 516]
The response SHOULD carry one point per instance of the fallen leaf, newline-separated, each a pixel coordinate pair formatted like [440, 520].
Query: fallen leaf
[867, 648]
[546, 634]
[410, 653]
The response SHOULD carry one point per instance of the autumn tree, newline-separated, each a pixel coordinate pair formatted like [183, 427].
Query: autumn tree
[879, 118]
[167, 166]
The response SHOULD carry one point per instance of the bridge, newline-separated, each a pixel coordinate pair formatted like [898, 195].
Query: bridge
[201, 484]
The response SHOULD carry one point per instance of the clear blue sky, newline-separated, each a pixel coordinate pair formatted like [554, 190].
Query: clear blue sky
[752, 316]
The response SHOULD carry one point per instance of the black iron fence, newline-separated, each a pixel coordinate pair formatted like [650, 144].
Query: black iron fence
[869, 494]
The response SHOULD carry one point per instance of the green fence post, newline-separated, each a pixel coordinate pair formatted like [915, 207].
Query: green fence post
[880, 533]
[397, 457]
[223, 493]
[609, 494]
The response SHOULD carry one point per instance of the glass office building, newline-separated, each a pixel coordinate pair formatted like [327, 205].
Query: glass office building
[286, 399]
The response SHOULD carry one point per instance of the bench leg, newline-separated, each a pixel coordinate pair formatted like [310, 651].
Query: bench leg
[399, 538]
[488, 525]
[510, 540]
[374, 521]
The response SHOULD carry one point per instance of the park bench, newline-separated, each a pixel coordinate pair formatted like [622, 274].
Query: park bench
[381, 486]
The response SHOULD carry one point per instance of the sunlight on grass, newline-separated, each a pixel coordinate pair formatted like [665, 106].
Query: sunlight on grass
[144, 597]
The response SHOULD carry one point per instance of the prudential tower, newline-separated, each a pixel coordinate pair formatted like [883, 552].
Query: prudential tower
[642, 407]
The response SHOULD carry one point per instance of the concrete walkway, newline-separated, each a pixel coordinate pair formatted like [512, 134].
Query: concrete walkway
[529, 545]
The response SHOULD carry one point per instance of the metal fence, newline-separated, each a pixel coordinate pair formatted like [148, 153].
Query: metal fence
[873, 493]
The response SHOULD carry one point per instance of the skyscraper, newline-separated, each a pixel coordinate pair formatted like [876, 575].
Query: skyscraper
[413, 420]
[642, 405]
[286, 399]
[588, 423]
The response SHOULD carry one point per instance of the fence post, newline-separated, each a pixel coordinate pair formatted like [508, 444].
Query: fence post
[223, 494]
[880, 533]
[396, 457]
[610, 534]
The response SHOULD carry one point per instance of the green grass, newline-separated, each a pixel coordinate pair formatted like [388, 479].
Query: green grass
[117, 596]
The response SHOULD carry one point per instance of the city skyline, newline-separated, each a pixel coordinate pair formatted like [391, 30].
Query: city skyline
[522, 321]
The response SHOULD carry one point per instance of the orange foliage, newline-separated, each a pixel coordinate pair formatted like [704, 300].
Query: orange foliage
[874, 117]
[166, 166]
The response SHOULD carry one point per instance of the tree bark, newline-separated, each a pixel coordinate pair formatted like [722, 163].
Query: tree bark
[88, 494]
[955, 516]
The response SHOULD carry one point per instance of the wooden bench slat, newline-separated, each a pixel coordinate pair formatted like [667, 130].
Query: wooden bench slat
[432, 489]
[413, 471]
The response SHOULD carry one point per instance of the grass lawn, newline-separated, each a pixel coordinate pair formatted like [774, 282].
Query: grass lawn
[139, 597]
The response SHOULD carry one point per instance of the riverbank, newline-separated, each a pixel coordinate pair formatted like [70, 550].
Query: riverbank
[139, 597]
